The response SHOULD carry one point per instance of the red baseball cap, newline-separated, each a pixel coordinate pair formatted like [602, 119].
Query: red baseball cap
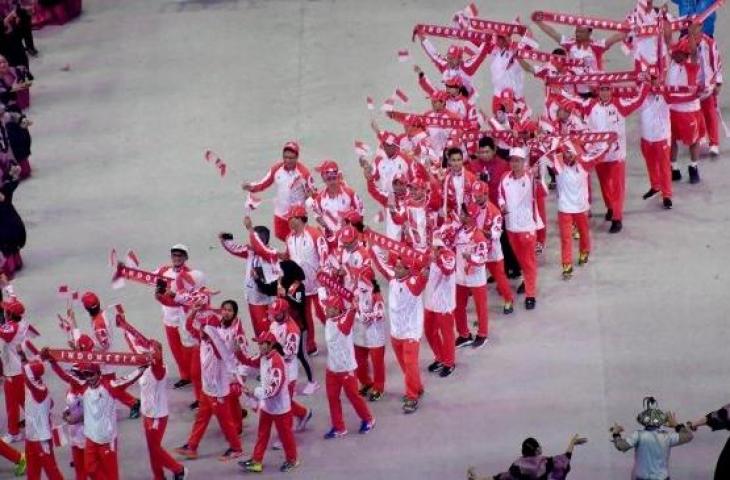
[297, 211]
[454, 82]
[440, 95]
[85, 343]
[293, 146]
[479, 187]
[89, 300]
[13, 307]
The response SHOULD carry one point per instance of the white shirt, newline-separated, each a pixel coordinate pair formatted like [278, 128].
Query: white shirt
[369, 329]
[572, 183]
[655, 123]
[683, 75]
[517, 201]
[652, 453]
[274, 389]
[175, 316]
[405, 310]
[340, 346]
[506, 72]
[37, 414]
[213, 370]
[471, 273]
[305, 249]
[8, 347]
[153, 395]
[591, 54]
[290, 186]
[100, 416]
[386, 168]
[605, 117]
[440, 293]
[287, 335]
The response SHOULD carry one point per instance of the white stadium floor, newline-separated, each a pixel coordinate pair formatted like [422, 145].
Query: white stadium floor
[118, 147]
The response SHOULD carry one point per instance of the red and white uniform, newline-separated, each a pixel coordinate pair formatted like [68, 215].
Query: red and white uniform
[331, 207]
[471, 278]
[369, 333]
[341, 365]
[412, 216]
[686, 117]
[465, 71]
[291, 186]
[287, 335]
[709, 77]
[13, 334]
[505, 72]
[644, 49]
[518, 203]
[405, 309]
[490, 222]
[590, 52]
[385, 168]
[439, 136]
[38, 430]
[456, 190]
[275, 404]
[307, 249]
[257, 256]
[393, 229]
[656, 139]
[439, 303]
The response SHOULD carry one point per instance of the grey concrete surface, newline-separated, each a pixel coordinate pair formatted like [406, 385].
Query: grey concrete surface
[118, 142]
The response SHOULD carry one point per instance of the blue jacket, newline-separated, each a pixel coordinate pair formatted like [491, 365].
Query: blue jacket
[689, 7]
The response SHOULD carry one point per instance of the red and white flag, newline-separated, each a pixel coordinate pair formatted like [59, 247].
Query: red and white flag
[404, 56]
[252, 203]
[132, 259]
[67, 294]
[401, 95]
[370, 103]
[471, 10]
[388, 105]
[361, 149]
[212, 157]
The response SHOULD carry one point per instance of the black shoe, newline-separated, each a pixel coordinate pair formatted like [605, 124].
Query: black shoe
[446, 371]
[181, 383]
[435, 366]
[694, 174]
[32, 51]
[479, 342]
[410, 406]
[609, 215]
[134, 410]
[508, 308]
[375, 395]
[616, 226]
[667, 203]
[676, 175]
[464, 341]
[512, 274]
[490, 279]
[530, 303]
[650, 194]
[365, 390]
[180, 475]
[521, 288]
[194, 405]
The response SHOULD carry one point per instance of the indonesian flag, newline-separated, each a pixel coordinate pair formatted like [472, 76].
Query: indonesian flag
[361, 149]
[212, 157]
[388, 105]
[132, 259]
[59, 436]
[370, 103]
[66, 293]
[403, 56]
[401, 95]
[471, 10]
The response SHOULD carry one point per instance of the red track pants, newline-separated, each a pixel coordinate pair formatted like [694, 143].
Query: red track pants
[480, 302]
[234, 403]
[496, 270]
[160, 459]
[78, 457]
[100, 460]
[565, 226]
[612, 179]
[657, 156]
[40, 458]
[712, 121]
[193, 354]
[523, 244]
[297, 409]
[9, 452]
[14, 388]
[439, 331]
[283, 424]
[542, 211]
[221, 408]
[336, 382]
[406, 352]
[259, 319]
[178, 351]
[376, 355]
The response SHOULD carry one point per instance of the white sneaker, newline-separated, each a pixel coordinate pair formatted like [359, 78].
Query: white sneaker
[302, 422]
[310, 388]
[714, 150]
[276, 445]
[7, 438]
